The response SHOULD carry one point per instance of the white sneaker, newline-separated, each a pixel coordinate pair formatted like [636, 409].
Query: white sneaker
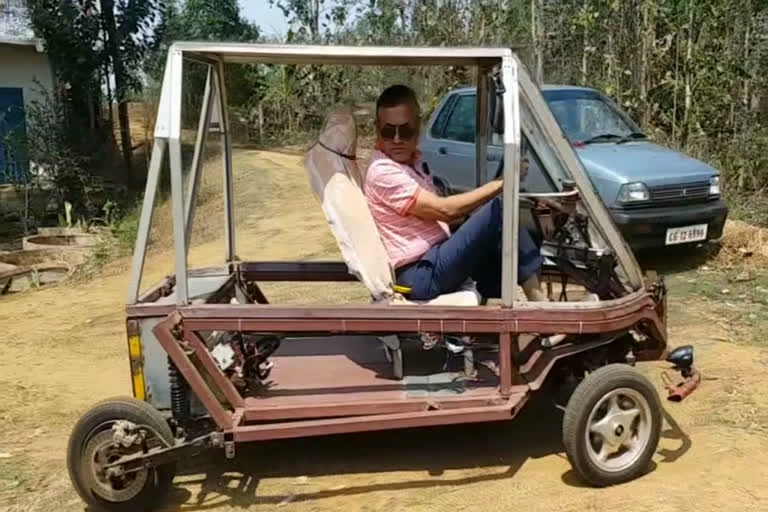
[554, 340]
[454, 345]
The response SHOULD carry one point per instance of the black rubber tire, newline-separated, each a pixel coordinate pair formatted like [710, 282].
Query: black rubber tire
[587, 394]
[159, 480]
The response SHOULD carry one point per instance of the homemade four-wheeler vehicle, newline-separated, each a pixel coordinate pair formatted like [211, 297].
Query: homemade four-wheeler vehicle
[214, 364]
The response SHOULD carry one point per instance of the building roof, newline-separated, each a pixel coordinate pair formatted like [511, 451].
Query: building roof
[15, 25]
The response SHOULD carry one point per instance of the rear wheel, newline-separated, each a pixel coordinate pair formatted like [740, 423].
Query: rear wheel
[92, 445]
[612, 425]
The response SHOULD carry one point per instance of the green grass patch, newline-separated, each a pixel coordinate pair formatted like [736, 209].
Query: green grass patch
[126, 228]
[750, 209]
[14, 476]
[740, 285]
[737, 299]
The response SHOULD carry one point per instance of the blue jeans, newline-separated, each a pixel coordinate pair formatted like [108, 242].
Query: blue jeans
[473, 251]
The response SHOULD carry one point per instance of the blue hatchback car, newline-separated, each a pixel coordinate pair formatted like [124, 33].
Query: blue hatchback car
[657, 196]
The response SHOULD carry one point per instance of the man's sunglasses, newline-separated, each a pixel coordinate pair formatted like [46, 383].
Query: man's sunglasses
[389, 131]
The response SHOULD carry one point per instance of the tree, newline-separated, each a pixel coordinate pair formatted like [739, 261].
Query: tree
[83, 38]
[128, 36]
[693, 73]
[71, 31]
[316, 19]
[537, 38]
[304, 13]
[204, 20]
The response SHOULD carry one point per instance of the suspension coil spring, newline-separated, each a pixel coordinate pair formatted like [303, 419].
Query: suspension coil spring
[179, 392]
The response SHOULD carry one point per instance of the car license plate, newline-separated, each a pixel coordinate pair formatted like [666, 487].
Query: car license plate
[686, 234]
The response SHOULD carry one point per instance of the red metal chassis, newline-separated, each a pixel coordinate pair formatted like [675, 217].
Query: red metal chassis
[245, 419]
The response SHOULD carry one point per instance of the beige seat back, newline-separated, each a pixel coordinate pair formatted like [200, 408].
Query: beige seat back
[337, 183]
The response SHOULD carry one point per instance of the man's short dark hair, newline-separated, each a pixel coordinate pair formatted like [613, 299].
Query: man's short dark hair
[397, 95]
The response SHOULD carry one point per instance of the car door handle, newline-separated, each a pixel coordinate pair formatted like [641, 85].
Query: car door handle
[442, 151]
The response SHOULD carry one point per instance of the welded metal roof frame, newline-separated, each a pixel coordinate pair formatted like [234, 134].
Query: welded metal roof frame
[214, 117]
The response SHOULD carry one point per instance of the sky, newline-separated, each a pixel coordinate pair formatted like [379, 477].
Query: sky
[269, 19]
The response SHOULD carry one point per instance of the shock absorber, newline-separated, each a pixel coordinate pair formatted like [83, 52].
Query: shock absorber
[179, 393]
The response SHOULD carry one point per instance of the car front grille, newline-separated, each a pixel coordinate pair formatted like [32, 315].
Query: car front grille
[680, 193]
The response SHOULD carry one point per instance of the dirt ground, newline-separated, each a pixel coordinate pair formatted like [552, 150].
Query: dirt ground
[64, 348]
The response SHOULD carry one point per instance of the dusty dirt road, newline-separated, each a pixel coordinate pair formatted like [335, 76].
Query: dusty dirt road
[64, 348]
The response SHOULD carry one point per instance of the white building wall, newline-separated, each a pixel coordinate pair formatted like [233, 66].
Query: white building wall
[20, 66]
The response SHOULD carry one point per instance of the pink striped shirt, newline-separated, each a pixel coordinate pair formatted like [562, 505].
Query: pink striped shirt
[391, 189]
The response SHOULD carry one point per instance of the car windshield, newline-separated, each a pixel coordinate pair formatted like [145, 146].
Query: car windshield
[592, 119]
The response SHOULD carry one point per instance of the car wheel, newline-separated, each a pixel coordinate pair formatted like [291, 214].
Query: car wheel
[612, 425]
[92, 445]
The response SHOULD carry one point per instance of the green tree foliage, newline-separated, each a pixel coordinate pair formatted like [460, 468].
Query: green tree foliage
[89, 41]
[71, 31]
[313, 20]
[205, 20]
[692, 72]
[137, 23]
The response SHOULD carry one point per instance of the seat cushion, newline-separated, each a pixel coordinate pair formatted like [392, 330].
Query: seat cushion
[460, 298]
[467, 295]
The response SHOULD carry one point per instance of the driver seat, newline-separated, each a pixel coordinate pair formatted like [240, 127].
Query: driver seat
[337, 183]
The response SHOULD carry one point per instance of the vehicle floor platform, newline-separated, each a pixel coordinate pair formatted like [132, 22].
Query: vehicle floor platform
[355, 368]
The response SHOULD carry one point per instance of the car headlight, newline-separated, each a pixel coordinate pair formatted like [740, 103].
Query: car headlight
[714, 186]
[633, 193]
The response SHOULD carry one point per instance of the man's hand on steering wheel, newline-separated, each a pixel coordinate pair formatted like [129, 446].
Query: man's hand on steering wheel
[524, 167]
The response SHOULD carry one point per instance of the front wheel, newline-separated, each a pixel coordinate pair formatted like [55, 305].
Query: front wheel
[92, 445]
[612, 425]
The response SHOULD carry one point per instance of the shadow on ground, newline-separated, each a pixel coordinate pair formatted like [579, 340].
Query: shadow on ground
[500, 447]
[494, 451]
[675, 260]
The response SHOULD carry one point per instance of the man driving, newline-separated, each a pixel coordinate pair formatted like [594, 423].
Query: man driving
[413, 220]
